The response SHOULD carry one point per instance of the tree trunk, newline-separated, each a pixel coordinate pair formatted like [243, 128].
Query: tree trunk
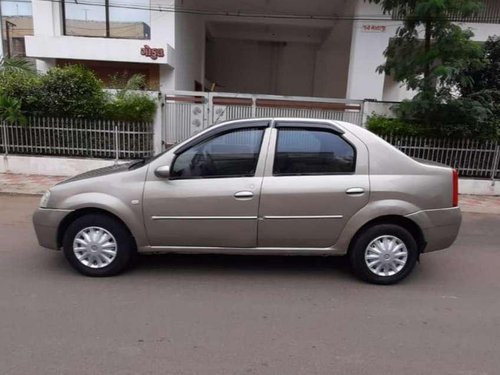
[427, 67]
[428, 92]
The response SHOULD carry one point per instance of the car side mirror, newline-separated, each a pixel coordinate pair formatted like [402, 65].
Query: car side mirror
[163, 171]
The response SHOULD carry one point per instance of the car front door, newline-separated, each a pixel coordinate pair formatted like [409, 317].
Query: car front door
[315, 180]
[212, 195]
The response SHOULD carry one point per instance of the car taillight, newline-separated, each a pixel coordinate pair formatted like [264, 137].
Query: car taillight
[455, 188]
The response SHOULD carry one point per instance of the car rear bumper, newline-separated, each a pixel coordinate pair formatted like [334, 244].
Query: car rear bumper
[440, 227]
[46, 222]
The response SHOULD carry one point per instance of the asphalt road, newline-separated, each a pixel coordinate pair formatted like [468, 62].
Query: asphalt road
[247, 315]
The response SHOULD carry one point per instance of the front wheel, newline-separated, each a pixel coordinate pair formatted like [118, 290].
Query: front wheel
[384, 254]
[98, 245]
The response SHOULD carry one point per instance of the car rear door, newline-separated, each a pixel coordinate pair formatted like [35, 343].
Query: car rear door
[315, 180]
[211, 198]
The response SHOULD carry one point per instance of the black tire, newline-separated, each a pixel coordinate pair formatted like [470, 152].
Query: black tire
[125, 244]
[359, 247]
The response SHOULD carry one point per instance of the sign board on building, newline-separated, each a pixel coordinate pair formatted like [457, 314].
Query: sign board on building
[152, 53]
[371, 28]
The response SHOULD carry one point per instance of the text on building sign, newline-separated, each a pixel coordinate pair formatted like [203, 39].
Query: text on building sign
[152, 53]
[374, 28]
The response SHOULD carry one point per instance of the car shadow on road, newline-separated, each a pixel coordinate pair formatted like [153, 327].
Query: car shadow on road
[199, 266]
[255, 265]
[168, 265]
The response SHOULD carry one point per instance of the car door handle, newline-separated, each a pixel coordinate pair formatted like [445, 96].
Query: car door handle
[243, 195]
[355, 190]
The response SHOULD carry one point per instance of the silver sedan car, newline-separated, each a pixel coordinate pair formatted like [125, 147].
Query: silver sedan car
[260, 186]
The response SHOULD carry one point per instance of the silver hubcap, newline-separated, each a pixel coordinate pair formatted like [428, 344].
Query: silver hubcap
[386, 255]
[95, 247]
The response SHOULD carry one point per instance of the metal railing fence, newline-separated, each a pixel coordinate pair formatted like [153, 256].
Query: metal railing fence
[471, 158]
[78, 138]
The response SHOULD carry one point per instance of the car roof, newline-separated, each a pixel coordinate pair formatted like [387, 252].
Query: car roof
[304, 122]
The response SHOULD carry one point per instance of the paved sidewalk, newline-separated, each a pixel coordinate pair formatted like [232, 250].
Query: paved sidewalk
[36, 184]
[27, 184]
[480, 204]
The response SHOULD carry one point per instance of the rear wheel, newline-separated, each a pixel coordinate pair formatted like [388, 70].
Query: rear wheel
[384, 254]
[98, 245]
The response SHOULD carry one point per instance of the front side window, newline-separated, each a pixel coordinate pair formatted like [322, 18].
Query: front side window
[106, 18]
[233, 154]
[312, 152]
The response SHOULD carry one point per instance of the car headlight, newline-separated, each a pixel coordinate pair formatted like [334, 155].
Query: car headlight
[45, 199]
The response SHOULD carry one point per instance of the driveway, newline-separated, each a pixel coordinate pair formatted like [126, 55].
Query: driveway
[247, 315]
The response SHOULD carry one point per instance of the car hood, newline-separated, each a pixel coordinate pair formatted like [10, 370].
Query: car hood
[98, 172]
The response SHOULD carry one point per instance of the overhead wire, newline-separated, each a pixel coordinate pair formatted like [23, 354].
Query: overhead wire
[238, 13]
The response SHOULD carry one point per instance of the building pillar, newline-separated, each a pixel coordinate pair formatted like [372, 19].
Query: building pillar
[44, 65]
[369, 40]
[46, 18]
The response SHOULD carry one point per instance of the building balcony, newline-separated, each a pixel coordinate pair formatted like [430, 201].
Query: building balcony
[99, 49]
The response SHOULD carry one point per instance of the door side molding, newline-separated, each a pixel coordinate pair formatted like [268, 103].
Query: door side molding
[303, 217]
[204, 218]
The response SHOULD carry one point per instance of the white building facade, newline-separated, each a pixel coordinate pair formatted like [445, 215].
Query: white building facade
[321, 48]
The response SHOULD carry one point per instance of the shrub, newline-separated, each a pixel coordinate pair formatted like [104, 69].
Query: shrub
[10, 111]
[462, 118]
[26, 88]
[75, 92]
[127, 104]
[465, 117]
[382, 125]
[16, 65]
[131, 106]
[124, 82]
[72, 91]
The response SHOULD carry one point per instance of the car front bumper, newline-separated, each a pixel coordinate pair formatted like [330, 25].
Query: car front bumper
[440, 227]
[46, 222]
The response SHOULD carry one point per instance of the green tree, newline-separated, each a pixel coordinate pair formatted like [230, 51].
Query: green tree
[487, 75]
[429, 51]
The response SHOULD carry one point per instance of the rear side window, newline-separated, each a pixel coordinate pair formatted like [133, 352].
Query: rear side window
[312, 152]
[233, 154]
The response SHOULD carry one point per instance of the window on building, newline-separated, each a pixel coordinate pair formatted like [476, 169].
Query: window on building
[312, 152]
[130, 19]
[17, 22]
[85, 19]
[127, 19]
